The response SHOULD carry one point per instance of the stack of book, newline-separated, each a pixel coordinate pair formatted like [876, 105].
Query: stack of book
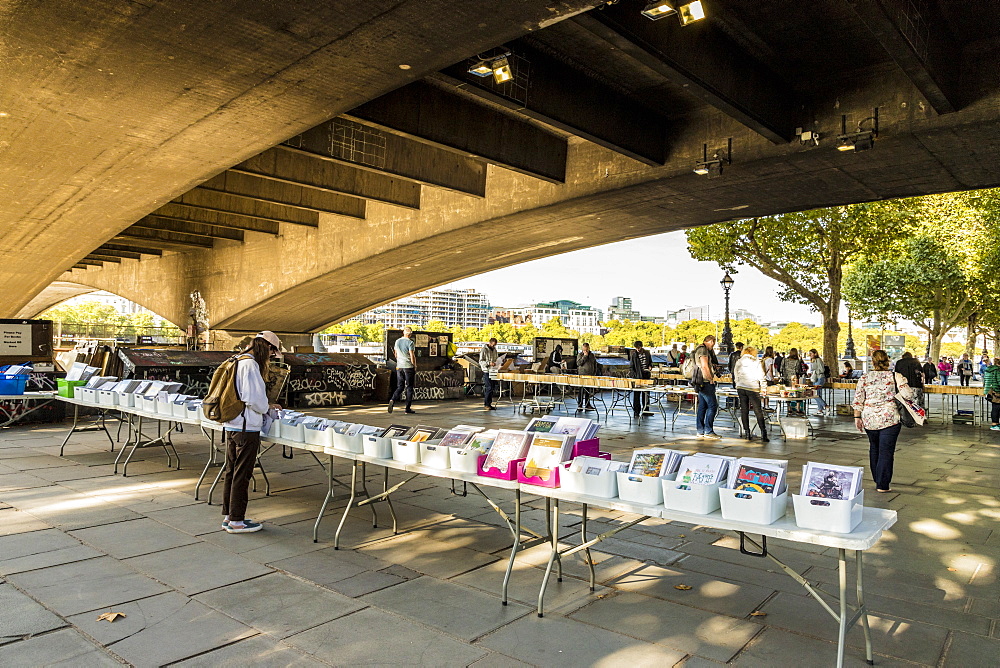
[655, 462]
[507, 446]
[759, 475]
[830, 481]
[705, 469]
[581, 429]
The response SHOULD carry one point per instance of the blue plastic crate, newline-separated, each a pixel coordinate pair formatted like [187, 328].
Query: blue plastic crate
[12, 384]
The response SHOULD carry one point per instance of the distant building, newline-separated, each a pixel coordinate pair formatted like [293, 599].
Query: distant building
[455, 308]
[573, 315]
[621, 309]
[688, 313]
[743, 314]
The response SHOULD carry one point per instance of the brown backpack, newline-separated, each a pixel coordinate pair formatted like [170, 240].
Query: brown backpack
[223, 403]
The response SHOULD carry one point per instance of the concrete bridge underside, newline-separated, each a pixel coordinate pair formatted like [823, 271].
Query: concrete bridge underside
[360, 182]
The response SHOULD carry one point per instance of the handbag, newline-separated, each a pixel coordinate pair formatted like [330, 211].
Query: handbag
[993, 397]
[911, 414]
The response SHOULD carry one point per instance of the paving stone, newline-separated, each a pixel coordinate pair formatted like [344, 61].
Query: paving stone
[65, 648]
[259, 651]
[365, 583]
[682, 628]
[497, 660]
[430, 557]
[194, 520]
[71, 518]
[891, 635]
[369, 633]
[457, 610]
[525, 581]
[162, 629]
[771, 579]
[972, 651]
[279, 605]
[86, 585]
[775, 647]
[728, 598]
[192, 569]
[556, 641]
[329, 565]
[45, 559]
[15, 546]
[12, 481]
[133, 538]
[22, 616]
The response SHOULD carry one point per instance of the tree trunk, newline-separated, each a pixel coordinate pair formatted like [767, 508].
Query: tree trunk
[831, 331]
[996, 343]
[970, 336]
[936, 337]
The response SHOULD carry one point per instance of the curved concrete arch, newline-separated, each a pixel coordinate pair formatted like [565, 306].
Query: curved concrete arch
[55, 294]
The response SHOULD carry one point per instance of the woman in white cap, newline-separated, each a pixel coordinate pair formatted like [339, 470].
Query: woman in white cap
[243, 432]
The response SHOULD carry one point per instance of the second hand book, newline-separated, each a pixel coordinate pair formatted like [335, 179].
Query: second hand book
[507, 446]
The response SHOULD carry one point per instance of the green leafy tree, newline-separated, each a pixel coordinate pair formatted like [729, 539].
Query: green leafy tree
[435, 326]
[693, 332]
[941, 276]
[751, 333]
[555, 328]
[806, 252]
[800, 336]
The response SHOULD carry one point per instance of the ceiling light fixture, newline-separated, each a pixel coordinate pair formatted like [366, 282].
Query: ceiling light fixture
[657, 10]
[497, 65]
[712, 167]
[861, 140]
[691, 12]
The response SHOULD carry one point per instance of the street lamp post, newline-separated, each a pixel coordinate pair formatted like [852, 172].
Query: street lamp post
[849, 346]
[727, 334]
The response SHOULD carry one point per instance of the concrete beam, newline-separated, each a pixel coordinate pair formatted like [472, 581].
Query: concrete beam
[114, 252]
[133, 251]
[237, 206]
[550, 91]
[188, 228]
[183, 212]
[921, 43]
[88, 263]
[431, 113]
[164, 238]
[706, 62]
[344, 141]
[313, 172]
[101, 257]
[268, 191]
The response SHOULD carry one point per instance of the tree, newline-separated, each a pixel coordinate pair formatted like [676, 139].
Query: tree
[751, 333]
[806, 252]
[800, 336]
[693, 332]
[940, 276]
[554, 328]
[435, 326]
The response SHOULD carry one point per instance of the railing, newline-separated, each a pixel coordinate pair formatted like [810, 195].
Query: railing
[67, 334]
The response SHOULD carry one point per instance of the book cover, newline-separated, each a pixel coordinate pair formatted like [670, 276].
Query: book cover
[395, 431]
[701, 470]
[828, 481]
[590, 465]
[541, 425]
[545, 454]
[422, 433]
[757, 478]
[647, 462]
[456, 438]
[507, 446]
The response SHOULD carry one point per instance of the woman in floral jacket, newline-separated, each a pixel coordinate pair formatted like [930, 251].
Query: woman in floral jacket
[875, 413]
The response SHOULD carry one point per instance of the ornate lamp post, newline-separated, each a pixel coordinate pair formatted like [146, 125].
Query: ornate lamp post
[849, 346]
[727, 334]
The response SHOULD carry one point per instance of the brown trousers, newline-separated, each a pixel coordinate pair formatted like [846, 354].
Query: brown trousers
[241, 457]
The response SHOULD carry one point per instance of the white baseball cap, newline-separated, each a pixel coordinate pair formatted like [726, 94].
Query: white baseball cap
[271, 338]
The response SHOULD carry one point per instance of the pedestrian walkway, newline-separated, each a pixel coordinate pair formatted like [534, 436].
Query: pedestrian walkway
[77, 542]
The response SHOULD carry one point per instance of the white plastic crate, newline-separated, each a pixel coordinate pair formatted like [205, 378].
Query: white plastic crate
[642, 489]
[690, 498]
[834, 515]
[406, 452]
[87, 394]
[179, 408]
[347, 443]
[603, 484]
[107, 398]
[795, 427]
[128, 399]
[434, 455]
[379, 447]
[148, 404]
[291, 432]
[320, 437]
[752, 507]
[465, 462]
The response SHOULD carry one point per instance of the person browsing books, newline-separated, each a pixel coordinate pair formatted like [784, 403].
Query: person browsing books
[875, 413]
[406, 369]
[748, 375]
[488, 357]
[991, 390]
[586, 365]
[640, 366]
[705, 364]
[909, 367]
[243, 433]
[673, 356]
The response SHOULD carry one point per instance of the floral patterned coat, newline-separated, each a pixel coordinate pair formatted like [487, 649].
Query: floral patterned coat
[875, 399]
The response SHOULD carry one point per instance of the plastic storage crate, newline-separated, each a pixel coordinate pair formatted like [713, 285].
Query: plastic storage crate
[12, 384]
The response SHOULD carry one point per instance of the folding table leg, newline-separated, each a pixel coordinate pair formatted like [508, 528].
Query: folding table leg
[329, 497]
[864, 611]
[553, 557]
[350, 502]
[842, 631]
[586, 551]
[76, 420]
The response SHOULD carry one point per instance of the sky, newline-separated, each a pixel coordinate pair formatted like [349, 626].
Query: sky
[657, 272]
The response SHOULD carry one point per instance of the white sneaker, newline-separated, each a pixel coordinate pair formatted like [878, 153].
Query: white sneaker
[246, 527]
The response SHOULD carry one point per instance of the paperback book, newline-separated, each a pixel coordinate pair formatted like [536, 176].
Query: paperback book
[395, 431]
[481, 442]
[545, 453]
[700, 469]
[760, 475]
[507, 446]
[829, 481]
[541, 424]
[580, 429]
[422, 433]
[655, 462]
[592, 465]
[456, 438]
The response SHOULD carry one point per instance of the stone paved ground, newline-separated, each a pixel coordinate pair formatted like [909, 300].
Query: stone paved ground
[76, 541]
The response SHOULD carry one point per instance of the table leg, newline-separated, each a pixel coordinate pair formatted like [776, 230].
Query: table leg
[326, 501]
[514, 548]
[842, 631]
[76, 420]
[864, 611]
[347, 508]
[553, 555]
[388, 499]
[212, 451]
[586, 551]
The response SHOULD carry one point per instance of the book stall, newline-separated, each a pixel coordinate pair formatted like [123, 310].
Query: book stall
[438, 376]
[558, 458]
[27, 373]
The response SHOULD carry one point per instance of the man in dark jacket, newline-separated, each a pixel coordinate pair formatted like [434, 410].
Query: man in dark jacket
[930, 371]
[640, 366]
[909, 368]
[586, 365]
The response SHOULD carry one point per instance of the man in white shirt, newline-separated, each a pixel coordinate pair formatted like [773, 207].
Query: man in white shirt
[488, 358]
[406, 369]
